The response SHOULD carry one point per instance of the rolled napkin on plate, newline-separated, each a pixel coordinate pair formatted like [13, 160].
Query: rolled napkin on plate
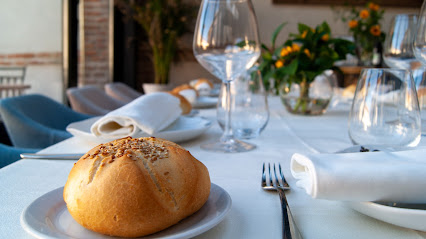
[149, 113]
[367, 176]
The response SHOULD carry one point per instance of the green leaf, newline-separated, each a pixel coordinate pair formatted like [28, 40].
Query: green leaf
[276, 32]
[325, 28]
[289, 69]
[343, 47]
[302, 27]
[267, 56]
[268, 75]
[264, 47]
[310, 75]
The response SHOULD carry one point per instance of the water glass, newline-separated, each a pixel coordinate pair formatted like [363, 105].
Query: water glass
[385, 110]
[249, 106]
[419, 76]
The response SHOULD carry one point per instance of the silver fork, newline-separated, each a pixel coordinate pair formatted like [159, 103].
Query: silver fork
[272, 182]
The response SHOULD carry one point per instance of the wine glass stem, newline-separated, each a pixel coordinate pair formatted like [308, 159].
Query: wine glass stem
[227, 135]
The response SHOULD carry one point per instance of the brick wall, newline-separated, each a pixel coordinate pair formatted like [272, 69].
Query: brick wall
[30, 58]
[93, 65]
[94, 52]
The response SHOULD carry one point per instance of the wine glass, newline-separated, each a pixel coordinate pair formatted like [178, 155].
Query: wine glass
[226, 43]
[398, 48]
[420, 38]
[385, 110]
[249, 105]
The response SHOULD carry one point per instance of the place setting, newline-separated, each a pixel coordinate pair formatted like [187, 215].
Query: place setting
[382, 174]
[164, 120]
[201, 206]
[200, 93]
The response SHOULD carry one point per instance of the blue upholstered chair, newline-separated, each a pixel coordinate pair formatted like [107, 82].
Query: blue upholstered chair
[121, 91]
[36, 121]
[9, 154]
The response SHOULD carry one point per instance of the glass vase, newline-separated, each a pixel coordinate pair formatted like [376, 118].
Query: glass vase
[365, 56]
[306, 98]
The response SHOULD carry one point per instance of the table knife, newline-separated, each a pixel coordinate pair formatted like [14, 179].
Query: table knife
[51, 156]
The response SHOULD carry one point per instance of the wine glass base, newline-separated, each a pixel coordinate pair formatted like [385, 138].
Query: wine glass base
[234, 146]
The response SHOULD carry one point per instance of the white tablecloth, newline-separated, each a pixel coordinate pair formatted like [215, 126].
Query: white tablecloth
[255, 213]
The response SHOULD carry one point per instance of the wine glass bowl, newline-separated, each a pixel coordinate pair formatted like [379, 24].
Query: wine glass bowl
[226, 43]
[398, 47]
[420, 38]
[385, 110]
[226, 40]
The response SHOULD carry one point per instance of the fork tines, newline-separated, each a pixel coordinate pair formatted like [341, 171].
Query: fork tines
[270, 180]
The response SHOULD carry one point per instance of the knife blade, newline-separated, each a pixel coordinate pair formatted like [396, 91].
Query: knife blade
[51, 156]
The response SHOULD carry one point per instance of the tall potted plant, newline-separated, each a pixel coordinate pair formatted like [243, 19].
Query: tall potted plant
[164, 22]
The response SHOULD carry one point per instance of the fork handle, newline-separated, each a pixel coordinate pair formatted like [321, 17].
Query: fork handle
[290, 230]
[285, 214]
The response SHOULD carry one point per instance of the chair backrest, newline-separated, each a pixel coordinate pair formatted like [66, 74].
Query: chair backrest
[121, 91]
[12, 81]
[9, 154]
[92, 100]
[36, 121]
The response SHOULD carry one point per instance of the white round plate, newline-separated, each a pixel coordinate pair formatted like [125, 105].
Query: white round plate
[205, 102]
[215, 92]
[185, 128]
[405, 215]
[48, 217]
[411, 216]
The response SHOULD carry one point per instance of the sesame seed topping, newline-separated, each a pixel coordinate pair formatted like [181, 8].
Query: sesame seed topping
[149, 148]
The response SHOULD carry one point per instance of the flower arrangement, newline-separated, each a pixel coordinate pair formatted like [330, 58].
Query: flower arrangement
[364, 25]
[301, 58]
[164, 22]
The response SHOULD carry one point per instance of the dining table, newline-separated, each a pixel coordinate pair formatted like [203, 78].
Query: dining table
[254, 213]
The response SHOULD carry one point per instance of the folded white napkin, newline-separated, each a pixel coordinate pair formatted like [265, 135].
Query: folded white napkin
[368, 176]
[149, 113]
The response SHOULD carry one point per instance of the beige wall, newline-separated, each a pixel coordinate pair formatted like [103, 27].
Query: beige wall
[25, 25]
[269, 16]
[31, 36]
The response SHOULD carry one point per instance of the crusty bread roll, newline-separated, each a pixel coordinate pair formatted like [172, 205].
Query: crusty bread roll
[134, 187]
[202, 81]
[186, 91]
[184, 103]
[203, 86]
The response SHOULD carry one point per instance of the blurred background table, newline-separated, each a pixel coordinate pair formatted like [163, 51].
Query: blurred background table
[350, 75]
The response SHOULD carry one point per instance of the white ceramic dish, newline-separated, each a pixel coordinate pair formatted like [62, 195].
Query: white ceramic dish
[185, 128]
[411, 216]
[48, 217]
[405, 215]
[215, 92]
[205, 102]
